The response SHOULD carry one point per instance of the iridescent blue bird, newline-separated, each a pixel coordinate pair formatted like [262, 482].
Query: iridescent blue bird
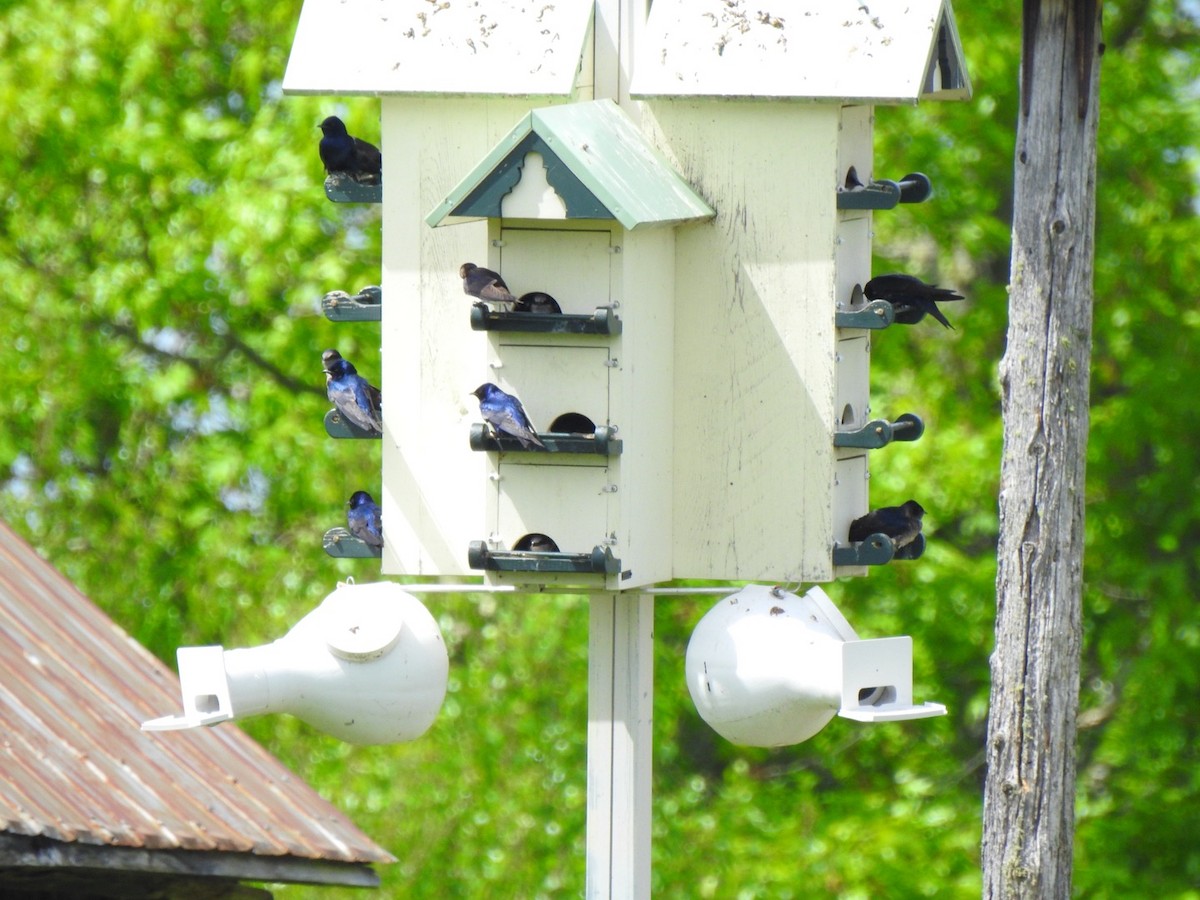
[505, 414]
[364, 519]
[342, 152]
[359, 402]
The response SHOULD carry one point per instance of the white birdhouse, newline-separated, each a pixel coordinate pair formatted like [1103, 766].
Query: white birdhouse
[767, 668]
[367, 666]
[706, 386]
[581, 208]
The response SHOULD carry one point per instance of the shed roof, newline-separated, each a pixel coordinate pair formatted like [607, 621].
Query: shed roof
[76, 768]
[597, 161]
[835, 50]
[497, 47]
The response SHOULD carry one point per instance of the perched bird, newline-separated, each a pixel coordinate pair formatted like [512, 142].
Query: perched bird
[484, 284]
[354, 398]
[364, 519]
[342, 152]
[537, 302]
[911, 298]
[901, 523]
[506, 415]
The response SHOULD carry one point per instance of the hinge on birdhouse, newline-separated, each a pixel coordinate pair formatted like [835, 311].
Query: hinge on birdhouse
[879, 433]
[601, 442]
[876, 550]
[338, 426]
[599, 561]
[602, 321]
[883, 194]
[342, 188]
[862, 314]
[365, 306]
[341, 544]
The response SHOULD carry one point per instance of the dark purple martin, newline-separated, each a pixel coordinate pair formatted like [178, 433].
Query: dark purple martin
[536, 543]
[901, 523]
[911, 298]
[354, 398]
[364, 519]
[485, 284]
[537, 302]
[342, 152]
[506, 415]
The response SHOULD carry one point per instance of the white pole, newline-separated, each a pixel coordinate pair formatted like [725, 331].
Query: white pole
[617, 22]
[620, 734]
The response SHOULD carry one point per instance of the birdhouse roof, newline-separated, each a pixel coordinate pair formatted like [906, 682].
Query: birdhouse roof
[597, 161]
[426, 47]
[862, 51]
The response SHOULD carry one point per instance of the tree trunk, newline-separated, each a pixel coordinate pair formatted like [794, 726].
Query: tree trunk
[1030, 788]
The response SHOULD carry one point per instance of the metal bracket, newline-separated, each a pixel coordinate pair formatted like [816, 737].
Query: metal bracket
[338, 427]
[884, 194]
[876, 550]
[875, 314]
[599, 561]
[602, 442]
[365, 306]
[341, 544]
[602, 321]
[880, 432]
[341, 188]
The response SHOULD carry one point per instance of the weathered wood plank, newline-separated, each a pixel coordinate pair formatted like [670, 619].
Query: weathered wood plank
[1030, 785]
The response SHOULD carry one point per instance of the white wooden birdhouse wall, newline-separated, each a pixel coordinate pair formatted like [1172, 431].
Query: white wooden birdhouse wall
[740, 367]
[765, 116]
[580, 206]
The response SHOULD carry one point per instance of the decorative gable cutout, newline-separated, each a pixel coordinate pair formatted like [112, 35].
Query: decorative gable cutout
[593, 161]
[840, 52]
[533, 197]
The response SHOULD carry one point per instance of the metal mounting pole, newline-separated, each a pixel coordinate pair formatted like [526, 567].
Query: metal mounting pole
[620, 733]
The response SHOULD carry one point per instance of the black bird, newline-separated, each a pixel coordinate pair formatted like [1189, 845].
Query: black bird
[364, 519]
[537, 302]
[342, 152]
[901, 523]
[506, 415]
[911, 298]
[354, 398]
[484, 284]
[536, 543]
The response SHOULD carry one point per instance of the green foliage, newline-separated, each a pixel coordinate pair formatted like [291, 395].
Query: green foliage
[163, 245]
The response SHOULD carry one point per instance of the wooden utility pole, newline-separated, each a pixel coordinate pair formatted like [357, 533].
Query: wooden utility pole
[1030, 789]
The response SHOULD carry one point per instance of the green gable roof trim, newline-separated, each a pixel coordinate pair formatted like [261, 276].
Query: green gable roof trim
[484, 201]
[597, 161]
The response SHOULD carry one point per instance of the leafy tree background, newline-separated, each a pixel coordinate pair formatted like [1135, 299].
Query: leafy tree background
[164, 242]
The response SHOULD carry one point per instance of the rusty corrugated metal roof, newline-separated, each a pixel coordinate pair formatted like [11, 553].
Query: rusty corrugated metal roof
[75, 766]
